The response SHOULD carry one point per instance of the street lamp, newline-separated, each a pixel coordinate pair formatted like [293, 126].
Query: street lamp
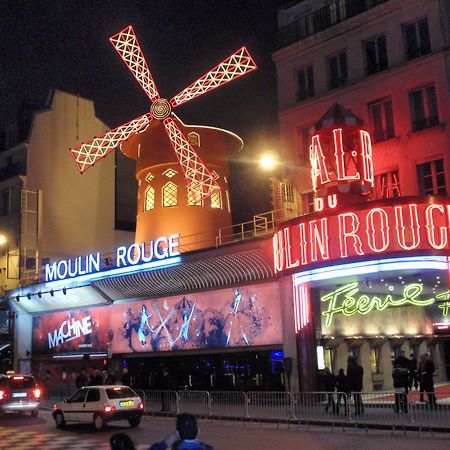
[268, 161]
[3, 239]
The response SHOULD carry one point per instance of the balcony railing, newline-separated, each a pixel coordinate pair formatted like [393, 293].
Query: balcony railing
[322, 19]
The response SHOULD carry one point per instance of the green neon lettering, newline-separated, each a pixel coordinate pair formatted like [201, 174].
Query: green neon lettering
[345, 300]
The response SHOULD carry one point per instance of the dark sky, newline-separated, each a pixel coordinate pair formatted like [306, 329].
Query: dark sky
[64, 44]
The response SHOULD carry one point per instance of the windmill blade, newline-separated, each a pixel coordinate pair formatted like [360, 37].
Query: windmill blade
[87, 154]
[238, 64]
[199, 180]
[127, 45]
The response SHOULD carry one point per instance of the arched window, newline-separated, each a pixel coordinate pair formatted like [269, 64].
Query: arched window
[149, 202]
[216, 199]
[194, 198]
[170, 195]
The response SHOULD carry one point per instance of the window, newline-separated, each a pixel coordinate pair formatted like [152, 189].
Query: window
[169, 173]
[149, 199]
[417, 39]
[387, 185]
[423, 105]
[431, 177]
[216, 200]
[305, 83]
[337, 70]
[93, 395]
[382, 119]
[194, 199]
[375, 359]
[376, 55]
[287, 192]
[194, 139]
[308, 202]
[170, 195]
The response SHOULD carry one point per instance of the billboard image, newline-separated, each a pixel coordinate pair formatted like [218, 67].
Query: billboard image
[232, 317]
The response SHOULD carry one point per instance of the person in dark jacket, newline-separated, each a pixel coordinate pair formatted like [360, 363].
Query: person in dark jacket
[82, 379]
[342, 391]
[185, 436]
[427, 379]
[355, 374]
[400, 379]
[329, 381]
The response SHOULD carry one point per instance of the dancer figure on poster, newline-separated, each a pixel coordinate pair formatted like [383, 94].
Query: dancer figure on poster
[184, 329]
[142, 332]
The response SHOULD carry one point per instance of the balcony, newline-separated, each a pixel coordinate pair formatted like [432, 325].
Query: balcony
[322, 19]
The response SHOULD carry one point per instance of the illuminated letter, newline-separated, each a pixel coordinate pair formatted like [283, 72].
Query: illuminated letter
[318, 167]
[340, 157]
[62, 273]
[94, 263]
[174, 244]
[146, 258]
[120, 256]
[133, 254]
[383, 227]
[161, 252]
[278, 252]
[319, 238]
[344, 234]
[318, 204]
[431, 227]
[332, 201]
[414, 227]
[366, 154]
[288, 250]
[72, 268]
[302, 243]
[50, 272]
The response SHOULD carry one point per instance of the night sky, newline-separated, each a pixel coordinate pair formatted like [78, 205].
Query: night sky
[64, 44]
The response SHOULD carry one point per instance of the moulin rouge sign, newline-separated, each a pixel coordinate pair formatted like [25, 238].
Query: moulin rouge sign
[395, 225]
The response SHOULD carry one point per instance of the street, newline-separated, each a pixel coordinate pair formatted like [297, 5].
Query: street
[22, 432]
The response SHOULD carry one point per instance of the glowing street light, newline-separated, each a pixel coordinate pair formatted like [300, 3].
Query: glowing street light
[3, 239]
[268, 162]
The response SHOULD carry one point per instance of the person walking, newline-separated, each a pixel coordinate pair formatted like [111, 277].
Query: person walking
[420, 371]
[355, 374]
[329, 381]
[428, 382]
[342, 391]
[400, 379]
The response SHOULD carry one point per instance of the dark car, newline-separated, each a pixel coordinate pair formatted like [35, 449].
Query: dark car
[19, 393]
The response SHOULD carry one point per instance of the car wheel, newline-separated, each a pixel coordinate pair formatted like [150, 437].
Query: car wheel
[134, 422]
[99, 422]
[59, 420]
[34, 412]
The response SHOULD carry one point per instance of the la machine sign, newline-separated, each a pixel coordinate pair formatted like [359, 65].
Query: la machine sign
[399, 225]
[158, 249]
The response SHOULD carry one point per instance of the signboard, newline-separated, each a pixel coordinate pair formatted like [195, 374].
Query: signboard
[234, 317]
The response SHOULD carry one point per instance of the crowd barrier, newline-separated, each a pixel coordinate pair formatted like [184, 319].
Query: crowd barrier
[378, 408]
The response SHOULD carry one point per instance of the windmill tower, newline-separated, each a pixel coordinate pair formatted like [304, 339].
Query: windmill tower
[186, 194]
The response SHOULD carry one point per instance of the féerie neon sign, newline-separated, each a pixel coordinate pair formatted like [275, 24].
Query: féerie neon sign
[348, 301]
[158, 249]
[388, 226]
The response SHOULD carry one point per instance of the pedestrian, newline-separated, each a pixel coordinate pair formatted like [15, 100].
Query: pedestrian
[96, 379]
[47, 382]
[413, 378]
[355, 374]
[82, 379]
[121, 441]
[185, 436]
[400, 379]
[403, 362]
[428, 382]
[420, 371]
[126, 378]
[342, 391]
[329, 381]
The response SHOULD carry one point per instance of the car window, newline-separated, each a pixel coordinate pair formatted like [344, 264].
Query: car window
[93, 395]
[18, 382]
[118, 392]
[79, 396]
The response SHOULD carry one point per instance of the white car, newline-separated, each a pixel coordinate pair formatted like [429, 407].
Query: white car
[100, 405]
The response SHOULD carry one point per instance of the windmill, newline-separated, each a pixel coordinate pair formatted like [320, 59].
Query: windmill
[200, 181]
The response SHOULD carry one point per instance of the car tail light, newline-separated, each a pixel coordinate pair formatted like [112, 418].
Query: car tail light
[37, 393]
[109, 408]
[141, 406]
[55, 407]
[17, 378]
[2, 395]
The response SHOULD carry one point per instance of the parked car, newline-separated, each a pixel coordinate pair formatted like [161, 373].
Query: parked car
[100, 405]
[19, 393]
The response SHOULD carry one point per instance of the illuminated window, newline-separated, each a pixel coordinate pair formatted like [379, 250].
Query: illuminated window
[376, 55]
[216, 200]
[431, 177]
[170, 173]
[382, 119]
[194, 139]
[149, 177]
[287, 191]
[194, 200]
[375, 360]
[149, 199]
[417, 39]
[424, 110]
[328, 358]
[337, 70]
[387, 185]
[305, 83]
[170, 195]
[308, 202]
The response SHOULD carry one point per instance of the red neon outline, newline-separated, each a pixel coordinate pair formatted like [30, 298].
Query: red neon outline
[318, 165]
[339, 155]
[367, 157]
[384, 229]
[430, 227]
[414, 226]
[288, 250]
[278, 252]
[319, 239]
[343, 234]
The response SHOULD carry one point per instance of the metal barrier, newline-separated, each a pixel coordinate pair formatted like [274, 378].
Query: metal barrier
[228, 404]
[270, 405]
[161, 401]
[194, 402]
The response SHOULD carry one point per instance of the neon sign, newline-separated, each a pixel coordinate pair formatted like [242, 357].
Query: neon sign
[348, 301]
[158, 249]
[376, 230]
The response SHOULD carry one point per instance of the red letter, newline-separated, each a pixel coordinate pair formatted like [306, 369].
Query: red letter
[431, 227]
[344, 234]
[371, 229]
[414, 227]
[278, 251]
[318, 167]
[319, 238]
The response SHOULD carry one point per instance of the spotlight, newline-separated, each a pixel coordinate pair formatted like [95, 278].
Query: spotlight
[29, 296]
[39, 294]
[64, 291]
[52, 293]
